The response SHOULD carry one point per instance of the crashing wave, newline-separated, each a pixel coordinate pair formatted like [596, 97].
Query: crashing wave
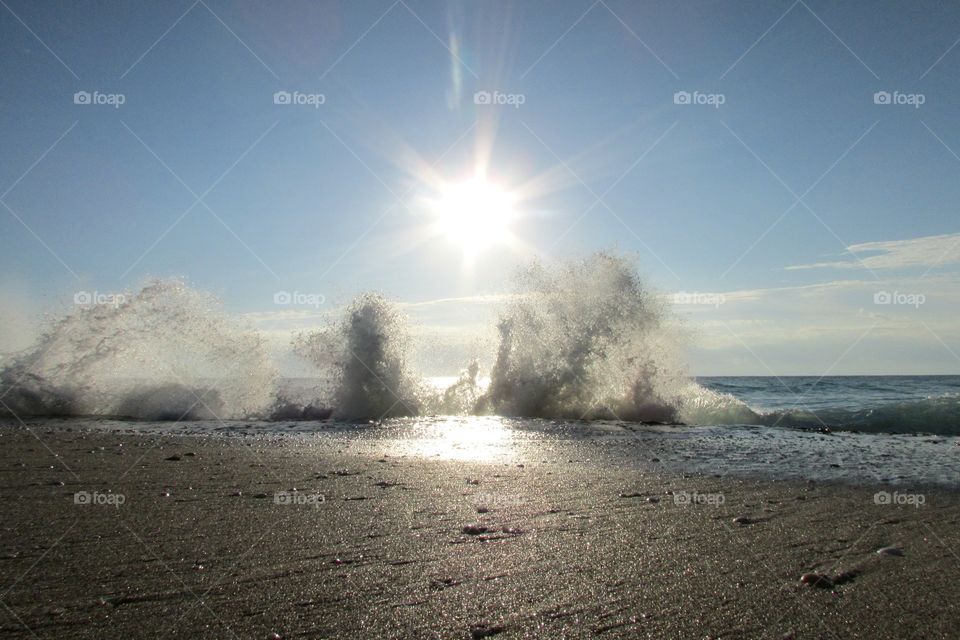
[586, 339]
[365, 353]
[166, 352]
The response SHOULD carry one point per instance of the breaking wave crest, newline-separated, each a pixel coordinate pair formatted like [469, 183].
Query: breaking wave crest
[936, 415]
[702, 406]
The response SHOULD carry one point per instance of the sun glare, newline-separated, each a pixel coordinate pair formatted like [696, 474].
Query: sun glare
[475, 214]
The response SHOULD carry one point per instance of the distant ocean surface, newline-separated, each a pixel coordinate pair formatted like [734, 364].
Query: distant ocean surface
[896, 404]
[852, 393]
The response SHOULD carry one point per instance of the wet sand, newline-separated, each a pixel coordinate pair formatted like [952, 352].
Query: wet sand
[211, 542]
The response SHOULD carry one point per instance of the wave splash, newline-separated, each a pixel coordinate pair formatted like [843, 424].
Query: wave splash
[365, 356]
[168, 352]
[586, 340]
[582, 340]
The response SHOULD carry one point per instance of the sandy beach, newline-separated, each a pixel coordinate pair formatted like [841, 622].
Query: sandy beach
[149, 536]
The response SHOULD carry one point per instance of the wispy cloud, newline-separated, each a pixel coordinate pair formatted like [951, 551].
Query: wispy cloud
[928, 252]
[492, 298]
[882, 327]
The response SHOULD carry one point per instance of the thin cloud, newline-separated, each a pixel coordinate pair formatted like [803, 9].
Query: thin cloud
[928, 252]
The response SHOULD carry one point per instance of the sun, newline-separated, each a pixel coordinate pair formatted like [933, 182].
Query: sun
[475, 214]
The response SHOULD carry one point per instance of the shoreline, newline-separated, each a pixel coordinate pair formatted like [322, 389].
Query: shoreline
[551, 543]
[743, 451]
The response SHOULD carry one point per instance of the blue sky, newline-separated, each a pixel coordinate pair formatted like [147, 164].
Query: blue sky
[793, 203]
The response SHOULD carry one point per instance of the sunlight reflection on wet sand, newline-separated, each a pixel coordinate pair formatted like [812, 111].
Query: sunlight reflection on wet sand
[460, 438]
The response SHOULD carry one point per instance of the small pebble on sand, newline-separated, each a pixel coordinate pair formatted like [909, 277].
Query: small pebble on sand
[890, 551]
[475, 529]
[816, 580]
[484, 631]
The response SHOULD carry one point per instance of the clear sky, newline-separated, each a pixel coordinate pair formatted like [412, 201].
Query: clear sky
[740, 149]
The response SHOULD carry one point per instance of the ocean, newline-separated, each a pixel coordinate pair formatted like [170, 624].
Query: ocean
[894, 404]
